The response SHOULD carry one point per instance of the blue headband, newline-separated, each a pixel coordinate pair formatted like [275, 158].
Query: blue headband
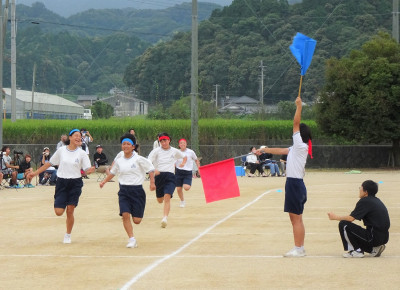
[127, 140]
[73, 131]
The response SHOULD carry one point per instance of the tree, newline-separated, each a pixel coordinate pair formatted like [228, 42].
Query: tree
[101, 110]
[361, 98]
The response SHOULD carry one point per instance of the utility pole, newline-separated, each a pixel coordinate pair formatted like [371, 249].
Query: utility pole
[395, 27]
[33, 87]
[1, 71]
[262, 85]
[13, 64]
[3, 22]
[194, 81]
[216, 96]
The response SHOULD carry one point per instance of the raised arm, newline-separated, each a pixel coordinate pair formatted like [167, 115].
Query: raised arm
[297, 115]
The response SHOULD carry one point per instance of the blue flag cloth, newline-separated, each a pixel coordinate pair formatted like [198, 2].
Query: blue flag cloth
[303, 50]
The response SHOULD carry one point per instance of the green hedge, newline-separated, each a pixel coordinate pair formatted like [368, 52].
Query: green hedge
[210, 130]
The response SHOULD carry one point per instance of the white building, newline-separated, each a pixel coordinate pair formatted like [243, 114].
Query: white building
[45, 106]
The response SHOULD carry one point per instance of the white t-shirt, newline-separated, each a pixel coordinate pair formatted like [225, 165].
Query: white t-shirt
[70, 162]
[297, 157]
[164, 160]
[252, 158]
[119, 155]
[6, 159]
[87, 140]
[132, 171]
[191, 157]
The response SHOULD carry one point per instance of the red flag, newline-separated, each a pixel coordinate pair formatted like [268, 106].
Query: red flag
[219, 180]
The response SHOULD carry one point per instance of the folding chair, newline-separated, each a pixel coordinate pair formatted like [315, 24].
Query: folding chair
[101, 172]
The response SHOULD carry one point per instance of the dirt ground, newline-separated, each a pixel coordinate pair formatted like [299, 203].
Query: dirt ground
[231, 244]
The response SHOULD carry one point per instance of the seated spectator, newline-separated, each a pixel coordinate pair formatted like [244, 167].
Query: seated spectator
[254, 163]
[100, 159]
[266, 160]
[23, 170]
[282, 164]
[8, 169]
[50, 175]
[63, 139]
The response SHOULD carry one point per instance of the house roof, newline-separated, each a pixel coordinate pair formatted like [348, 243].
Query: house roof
[26, 96]
[87, 98]
[242, 100]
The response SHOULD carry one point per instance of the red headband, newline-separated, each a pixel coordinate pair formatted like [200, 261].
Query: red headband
[310, 148]
[163, 137]
[182, 140]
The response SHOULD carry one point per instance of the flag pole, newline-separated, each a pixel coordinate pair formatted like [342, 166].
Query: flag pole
[301, 81]
[241, 156]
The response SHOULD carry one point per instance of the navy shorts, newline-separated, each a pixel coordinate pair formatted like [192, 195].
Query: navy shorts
[165, 183]
[295, 195]
[132, 199]
[183, 177]
[67, 192]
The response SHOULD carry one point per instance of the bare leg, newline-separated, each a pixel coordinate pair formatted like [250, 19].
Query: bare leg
[180, 193]
[298, 229]
[126, 220]
[70, 218]
[167, 204]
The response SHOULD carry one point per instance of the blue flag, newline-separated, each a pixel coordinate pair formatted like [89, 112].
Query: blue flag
[303, 50]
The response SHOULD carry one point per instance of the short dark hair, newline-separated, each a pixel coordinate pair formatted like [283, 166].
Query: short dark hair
[370, 186]
[131, 137]
[305, 133]
[164, 134]
[4, 148]
[251, 148]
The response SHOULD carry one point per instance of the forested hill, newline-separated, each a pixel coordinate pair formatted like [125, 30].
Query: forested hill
[88, 53]
[234, 41]
[149, 24]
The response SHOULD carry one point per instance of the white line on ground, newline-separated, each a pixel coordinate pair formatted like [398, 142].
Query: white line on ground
[178, 256]
[165, 258]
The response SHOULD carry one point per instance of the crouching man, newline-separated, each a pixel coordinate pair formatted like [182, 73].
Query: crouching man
[371, 210]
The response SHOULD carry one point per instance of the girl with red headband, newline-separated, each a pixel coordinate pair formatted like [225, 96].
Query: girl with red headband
[295, 190]
[163, 159]
[184, 175]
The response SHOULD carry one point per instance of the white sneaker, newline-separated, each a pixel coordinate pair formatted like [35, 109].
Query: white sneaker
[295, 253]
[164, 222]
[353, 254]
[67, 239]
[132, 244]
[377, 251]
[183, 203]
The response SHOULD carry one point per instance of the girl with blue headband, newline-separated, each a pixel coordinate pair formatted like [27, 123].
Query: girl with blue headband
[131, 169]
[69, 159]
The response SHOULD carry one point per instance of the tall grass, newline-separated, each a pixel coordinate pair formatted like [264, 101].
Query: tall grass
[210, 130]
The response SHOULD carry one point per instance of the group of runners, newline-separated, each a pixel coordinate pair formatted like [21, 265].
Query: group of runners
[169, 168]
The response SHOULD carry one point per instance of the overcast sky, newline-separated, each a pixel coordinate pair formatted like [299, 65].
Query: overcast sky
[68, 7]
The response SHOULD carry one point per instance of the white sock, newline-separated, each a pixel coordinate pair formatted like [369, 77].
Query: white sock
[132, 239]
[67, 235]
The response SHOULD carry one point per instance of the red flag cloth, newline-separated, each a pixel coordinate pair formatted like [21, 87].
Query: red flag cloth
[219, 180]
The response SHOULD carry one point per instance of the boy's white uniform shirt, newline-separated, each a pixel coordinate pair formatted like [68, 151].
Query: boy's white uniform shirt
[131, 171]
[70, 162]
[191, 157]
[297, 157]
[164, 160]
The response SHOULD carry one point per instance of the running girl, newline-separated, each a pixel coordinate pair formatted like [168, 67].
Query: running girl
[184, 175]
[163, 159]
[132, 169]
[70, 160]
